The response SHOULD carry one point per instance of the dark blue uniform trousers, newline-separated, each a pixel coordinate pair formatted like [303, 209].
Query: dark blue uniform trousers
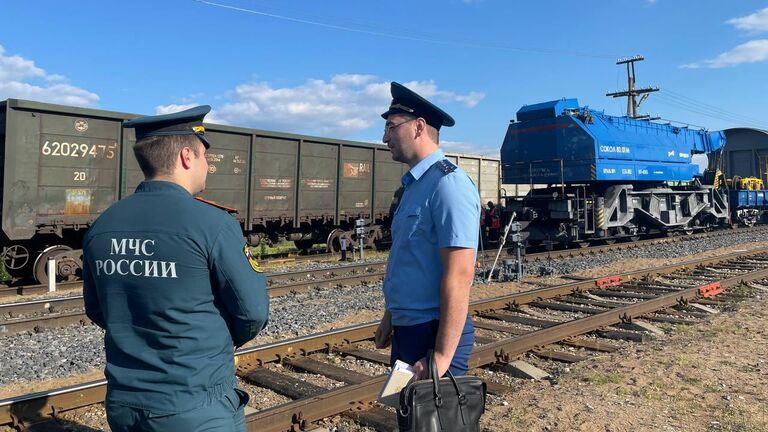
[221, 412]
[411, 343]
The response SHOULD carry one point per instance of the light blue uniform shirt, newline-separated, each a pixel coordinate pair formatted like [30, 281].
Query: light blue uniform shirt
[440, 208]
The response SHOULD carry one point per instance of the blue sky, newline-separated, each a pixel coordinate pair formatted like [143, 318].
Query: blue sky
[323, 67]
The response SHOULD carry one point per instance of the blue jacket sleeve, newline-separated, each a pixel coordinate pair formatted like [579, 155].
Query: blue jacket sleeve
[241, 288]
[90, 296]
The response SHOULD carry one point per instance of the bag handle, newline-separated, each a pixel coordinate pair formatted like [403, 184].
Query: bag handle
[432, 371]
[462, 398]
[432, 365]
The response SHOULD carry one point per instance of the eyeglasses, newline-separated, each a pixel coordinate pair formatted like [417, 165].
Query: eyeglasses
[388, 127]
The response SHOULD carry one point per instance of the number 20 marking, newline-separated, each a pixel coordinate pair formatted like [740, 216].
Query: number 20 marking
[79, 175]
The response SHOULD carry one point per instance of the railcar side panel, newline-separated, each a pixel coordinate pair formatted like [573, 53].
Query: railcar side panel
[130, 173]
[60, 171]
[387, 179]
[227, 182]
[471, 166]
[273, 180]
[318, 172]
[490, 181]
[355, 183]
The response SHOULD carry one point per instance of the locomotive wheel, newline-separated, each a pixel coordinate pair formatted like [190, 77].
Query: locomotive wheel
[688, 231]
[634, 238]
[41, 263]
[15, 257]
[609, 241]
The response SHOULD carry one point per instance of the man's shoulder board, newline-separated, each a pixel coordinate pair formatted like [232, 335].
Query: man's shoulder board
[217, 205]
[445, 166]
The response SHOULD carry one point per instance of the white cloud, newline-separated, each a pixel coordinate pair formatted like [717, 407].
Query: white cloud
[211, 117]
[756, 22]
[345, 104]
[749, 52]
[469, 148]
[429, 90]
[21, 78]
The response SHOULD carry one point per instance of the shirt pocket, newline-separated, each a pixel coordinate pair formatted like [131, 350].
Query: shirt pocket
[418, 224]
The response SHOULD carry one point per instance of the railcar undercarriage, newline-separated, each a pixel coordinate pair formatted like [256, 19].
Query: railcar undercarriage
[582, 214]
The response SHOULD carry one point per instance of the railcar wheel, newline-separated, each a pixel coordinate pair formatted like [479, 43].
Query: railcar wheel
[373, 236]
[634, 238]
[609, 241]
[15, 257]
[334, 241]
[688, 231]
[41, 263]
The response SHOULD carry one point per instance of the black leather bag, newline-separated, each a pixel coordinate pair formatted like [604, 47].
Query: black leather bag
[445, 404]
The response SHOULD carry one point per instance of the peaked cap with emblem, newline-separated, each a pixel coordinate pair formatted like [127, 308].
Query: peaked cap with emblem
[187, 122]
[406, 101]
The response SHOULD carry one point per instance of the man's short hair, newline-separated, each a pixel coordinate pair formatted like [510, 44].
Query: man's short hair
[432, 132]
[157, 154]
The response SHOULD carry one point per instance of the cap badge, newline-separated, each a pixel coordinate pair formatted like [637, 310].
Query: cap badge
[401, 107]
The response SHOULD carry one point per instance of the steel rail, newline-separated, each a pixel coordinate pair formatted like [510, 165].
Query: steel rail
[358, 396]
[42, 404]
[53, 320]
[488, 254]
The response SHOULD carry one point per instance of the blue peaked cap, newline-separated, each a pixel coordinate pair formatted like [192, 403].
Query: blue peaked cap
[406, 101]
[187, 122]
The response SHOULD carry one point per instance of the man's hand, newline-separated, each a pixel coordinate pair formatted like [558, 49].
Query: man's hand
[421, 366]
[383, 336]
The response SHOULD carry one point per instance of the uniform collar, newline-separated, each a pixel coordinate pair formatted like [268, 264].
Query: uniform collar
[420, 168]
[160, 186]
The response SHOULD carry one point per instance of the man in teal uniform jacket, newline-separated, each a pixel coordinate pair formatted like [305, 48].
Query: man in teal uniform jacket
[435, 232]
[170, 280]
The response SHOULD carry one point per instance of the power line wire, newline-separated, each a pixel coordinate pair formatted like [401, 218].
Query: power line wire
[709, 112]
[417, 38]
[712, 107]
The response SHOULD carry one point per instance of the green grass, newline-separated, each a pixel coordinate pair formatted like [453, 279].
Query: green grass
[606, 378]
[4, 275]
[283, 247]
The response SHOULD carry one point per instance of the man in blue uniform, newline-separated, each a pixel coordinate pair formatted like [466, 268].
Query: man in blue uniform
[170, 280]
[435, 232]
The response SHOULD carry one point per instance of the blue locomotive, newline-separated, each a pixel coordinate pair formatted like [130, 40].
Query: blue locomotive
[596, 177]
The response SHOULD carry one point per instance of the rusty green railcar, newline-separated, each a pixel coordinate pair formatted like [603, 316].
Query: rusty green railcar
[62, 166]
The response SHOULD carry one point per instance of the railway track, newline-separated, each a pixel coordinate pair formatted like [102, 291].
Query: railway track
[523, 322]
[63, 311]
[58, 312]
[485, 257]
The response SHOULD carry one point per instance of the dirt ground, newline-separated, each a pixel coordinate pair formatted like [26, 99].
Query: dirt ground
[708, 377]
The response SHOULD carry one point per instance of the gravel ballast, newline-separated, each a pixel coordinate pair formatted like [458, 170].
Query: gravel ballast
[57, 353]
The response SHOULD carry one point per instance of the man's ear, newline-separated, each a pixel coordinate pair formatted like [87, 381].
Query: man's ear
[421, 127]
[186, 156]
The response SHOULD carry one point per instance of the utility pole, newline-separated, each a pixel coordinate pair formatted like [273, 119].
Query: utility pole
[631, 93]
